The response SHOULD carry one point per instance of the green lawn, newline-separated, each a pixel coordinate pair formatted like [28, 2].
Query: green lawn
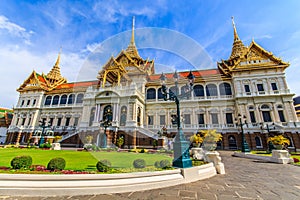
[79, 160]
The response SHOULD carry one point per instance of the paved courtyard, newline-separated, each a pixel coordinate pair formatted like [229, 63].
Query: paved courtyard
[244, 179]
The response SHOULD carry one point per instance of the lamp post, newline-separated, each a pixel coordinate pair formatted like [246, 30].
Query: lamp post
[42, 124]
[181, 145]
[270, 145]
[245, 147]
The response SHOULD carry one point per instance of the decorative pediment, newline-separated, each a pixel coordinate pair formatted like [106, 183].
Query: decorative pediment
[33, 82]
[127, 62]
[244, 58]
[107, 94]
[254, 57]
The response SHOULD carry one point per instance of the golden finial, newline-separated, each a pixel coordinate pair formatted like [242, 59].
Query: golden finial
[132, 32]
[236, 36]
[58, 58]
[238, 47]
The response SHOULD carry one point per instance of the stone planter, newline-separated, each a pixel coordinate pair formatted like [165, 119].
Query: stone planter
[209, 146]
[56, 146]
[214, 157]
[197, 153]
[281, 156]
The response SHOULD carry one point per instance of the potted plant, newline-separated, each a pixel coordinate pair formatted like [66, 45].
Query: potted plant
[120, 141]
[196, 139]
[278, 141]
[211, 137]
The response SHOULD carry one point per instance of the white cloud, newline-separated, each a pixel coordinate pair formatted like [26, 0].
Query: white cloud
[16, 65]
[15, 29]
[110, 11]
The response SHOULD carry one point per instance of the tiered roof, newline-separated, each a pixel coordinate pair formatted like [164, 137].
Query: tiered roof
[244, 58]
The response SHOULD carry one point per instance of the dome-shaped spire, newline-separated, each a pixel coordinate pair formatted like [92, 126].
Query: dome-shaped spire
[238, 47]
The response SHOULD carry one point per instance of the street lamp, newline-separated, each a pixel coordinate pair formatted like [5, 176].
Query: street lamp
[181, 145]
[270, 145]
[245, 147]
[106, 122]
[42, 124]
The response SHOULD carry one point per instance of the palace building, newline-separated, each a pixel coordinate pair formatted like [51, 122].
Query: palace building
[126, 100]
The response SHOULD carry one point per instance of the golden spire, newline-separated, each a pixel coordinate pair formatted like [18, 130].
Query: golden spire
[238, 47]
[131, 49]
[54, 74]
[235, 35]
[132, 43]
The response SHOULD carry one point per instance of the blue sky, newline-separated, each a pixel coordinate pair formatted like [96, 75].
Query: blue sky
[177, 34]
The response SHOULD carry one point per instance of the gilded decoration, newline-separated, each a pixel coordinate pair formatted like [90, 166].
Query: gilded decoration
[248, 58]
[127, 61]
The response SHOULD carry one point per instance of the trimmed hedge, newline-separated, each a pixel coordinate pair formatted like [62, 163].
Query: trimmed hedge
[103, 165]
[21, 162]
[56, 164]
[165, 164]
[139, 163]
[157, 164]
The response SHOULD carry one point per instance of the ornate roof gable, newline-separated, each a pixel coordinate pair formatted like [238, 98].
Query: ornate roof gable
[256, 57]
[44, 82]
[249, 58]
[35, 81]
[127, 61]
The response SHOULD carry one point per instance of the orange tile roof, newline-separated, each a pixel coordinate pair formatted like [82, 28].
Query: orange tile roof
[198, 73]
[77, 84]
[41, 78]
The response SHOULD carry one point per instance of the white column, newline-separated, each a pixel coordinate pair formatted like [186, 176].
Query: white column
[95, 114]
[295, 119]
[99, 113]
[117, 112]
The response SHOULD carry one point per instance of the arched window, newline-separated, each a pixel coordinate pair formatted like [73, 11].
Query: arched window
[151, 93]
[123, 116]
[160, 94]
[281, 113]
[199, 91]
[79, 98]
[63, 99]
[232, 142]
[258, 142]
[107, 113]
[55, 100]
[184, 89]
[173, 89]
[71, 99]
[92, 116]
[291, 142]
[266, 113]
[225, 89]
[48, 100]
[265, 107]
[138, 116]
[211, 90]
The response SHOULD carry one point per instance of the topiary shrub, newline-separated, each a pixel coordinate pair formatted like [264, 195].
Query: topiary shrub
[139, 163]
[21, 162]
[165, 164]
[142, 151]
[103, 165]
[56, 164]
[157, 164]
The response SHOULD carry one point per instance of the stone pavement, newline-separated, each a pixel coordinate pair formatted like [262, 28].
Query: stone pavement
[244, 179]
